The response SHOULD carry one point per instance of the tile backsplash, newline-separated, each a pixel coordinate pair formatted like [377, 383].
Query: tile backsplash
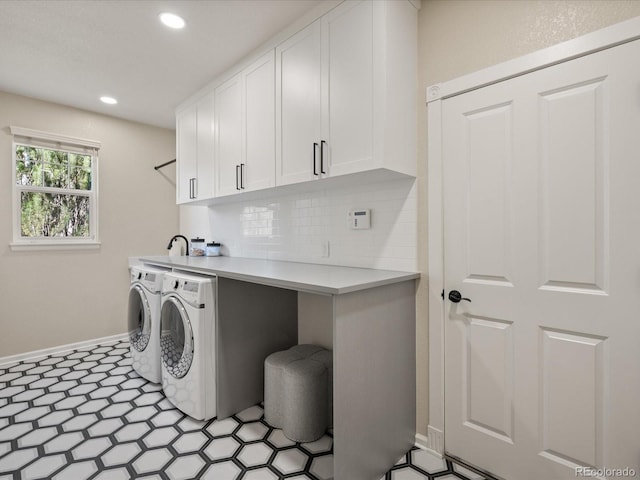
[314, 227]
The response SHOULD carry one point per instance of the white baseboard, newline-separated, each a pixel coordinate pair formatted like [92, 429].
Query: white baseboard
[422, 441]
[435, 440]
[62, 348]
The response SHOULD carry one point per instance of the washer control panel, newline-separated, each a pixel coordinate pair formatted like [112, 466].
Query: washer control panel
[150, 278]
[190, 289]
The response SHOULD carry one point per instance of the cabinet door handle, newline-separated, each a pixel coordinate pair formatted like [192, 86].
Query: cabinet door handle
[237, 182]
[322, 142]
[191, 188]
[315, 149]
[242, 176]
[195, 187]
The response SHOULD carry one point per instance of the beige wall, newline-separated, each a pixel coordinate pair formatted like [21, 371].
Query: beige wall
[457, 37]
[52, 298]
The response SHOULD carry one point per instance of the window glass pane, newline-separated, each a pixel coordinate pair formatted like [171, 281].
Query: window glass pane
[28, 165]
[78, 224]
[79, 171]
[79, 160]
[53, 215]
[80, 178]
[56, 169]
[56, 157]
[55, 175]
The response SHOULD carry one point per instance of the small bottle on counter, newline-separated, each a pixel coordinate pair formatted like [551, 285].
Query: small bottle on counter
[213, 249]
[197, 248]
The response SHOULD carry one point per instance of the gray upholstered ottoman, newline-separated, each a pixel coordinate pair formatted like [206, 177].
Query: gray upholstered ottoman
[326, 358]
[274, 385]
[305, 400]
[298, 391]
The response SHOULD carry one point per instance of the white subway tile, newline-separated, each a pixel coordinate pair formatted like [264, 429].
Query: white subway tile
[294, 227]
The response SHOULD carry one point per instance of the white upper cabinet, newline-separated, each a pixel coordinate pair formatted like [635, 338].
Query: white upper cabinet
[259, 141]
[298, 106]
[205, 184]
[194, 149]
[186, 148]
[347, 77]
[245, 129]
[345, 99]
[336, 98]
[228, 136]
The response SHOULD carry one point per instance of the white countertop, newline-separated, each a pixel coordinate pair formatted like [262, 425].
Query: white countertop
[308, 277]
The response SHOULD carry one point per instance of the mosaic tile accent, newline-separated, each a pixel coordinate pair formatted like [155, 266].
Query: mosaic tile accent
[86, 414]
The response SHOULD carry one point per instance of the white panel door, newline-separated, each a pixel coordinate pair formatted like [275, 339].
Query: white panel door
[298, 100]
[259, 150]
[228, 128]
[542, 234]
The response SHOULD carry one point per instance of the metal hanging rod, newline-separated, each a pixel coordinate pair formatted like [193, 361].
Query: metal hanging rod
[157, 167]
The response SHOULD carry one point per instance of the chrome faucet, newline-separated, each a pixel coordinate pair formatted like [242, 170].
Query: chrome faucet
[179, 236]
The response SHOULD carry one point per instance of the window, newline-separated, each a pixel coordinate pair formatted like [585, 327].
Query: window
[55, 190]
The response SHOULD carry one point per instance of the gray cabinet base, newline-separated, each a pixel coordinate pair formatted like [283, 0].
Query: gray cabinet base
[252, 322]
[374, 380]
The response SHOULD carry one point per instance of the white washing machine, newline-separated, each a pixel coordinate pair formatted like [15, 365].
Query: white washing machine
[144, 320]
[187, 342]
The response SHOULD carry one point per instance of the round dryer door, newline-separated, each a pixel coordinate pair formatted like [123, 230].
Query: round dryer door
[176, 338]
[139, 318]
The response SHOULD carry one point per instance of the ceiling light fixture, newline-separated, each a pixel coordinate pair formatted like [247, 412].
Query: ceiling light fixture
[171, 20]
[108, 100]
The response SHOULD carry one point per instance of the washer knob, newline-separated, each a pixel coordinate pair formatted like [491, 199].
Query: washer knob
[139, 275]
[175, 285]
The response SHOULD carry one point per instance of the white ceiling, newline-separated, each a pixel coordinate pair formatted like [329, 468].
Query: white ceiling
[74, 51]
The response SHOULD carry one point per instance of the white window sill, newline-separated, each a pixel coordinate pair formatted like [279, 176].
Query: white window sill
[53, 245]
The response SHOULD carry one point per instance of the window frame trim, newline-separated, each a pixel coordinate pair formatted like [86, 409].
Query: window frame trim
[27, 136]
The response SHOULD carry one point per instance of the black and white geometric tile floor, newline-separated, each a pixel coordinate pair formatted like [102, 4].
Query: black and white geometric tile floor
[86, 414]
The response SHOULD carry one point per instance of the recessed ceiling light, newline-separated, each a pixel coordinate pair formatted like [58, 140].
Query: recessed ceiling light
[108, 100]
[171, 20]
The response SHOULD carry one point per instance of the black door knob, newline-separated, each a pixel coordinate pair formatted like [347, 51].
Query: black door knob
[455, 296]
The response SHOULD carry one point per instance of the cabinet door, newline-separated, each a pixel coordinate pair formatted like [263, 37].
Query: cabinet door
[298, 100]
[347, 51]
[228, 127]
[259, 149]
[186, 154]
[204, 187]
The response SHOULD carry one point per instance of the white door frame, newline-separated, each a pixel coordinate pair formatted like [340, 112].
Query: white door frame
[612, 36]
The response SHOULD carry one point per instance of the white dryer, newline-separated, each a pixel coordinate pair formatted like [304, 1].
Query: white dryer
[187, 342]
[144, 320]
